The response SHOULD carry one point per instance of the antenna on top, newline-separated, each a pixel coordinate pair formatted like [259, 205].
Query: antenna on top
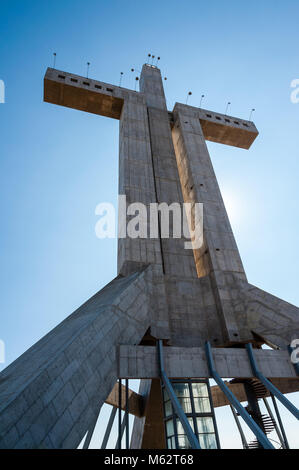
[189, 94]
[152, 56]
[250, 115]
[120, 78]
[227, 107]
[54, 59]
[88, 64]
[201, 98]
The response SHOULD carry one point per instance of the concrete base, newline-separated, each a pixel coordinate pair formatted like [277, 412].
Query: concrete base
[142, 362]
[51, 395]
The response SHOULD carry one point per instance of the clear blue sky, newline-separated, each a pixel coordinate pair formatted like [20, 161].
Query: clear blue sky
[57, 164]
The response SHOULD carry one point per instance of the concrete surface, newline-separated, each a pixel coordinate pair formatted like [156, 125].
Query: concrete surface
[51, 395]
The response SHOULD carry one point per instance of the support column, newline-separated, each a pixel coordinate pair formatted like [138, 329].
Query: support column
[148, 432]
[51, 395]
[136, 182]
[219, 256]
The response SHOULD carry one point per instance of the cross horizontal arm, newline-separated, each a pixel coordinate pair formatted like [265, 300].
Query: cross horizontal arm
[84, 94]
[220, 128]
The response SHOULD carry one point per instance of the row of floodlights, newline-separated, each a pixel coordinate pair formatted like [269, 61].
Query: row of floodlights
[227, 104]
[152, 57]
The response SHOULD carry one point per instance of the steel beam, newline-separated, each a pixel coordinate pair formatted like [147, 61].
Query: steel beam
[175, 402]
[280, 437]
[260, 435]
[280, 421]
[292, 408]
[109, 427]
[243, 438]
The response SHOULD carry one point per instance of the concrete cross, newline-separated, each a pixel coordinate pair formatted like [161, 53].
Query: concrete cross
[50, 397]
[163, 157]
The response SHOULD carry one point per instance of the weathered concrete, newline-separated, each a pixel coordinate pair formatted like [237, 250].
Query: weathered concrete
[52, 394]
[142, 362]
[227, 130]
[148, 431]
[84, 94]
[136, 402]
[164, 161]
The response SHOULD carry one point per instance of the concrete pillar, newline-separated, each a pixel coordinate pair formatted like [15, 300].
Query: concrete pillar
[219, 256]
[148, 431]
[136, 182]
[177, 260]
[51, 395]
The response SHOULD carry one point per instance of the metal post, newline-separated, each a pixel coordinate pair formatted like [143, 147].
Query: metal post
[269, 385]
[109, 427]
[243, 438]
[280, 422]
[119, 413]
[175, 402]
[120, 436]
[127, 415]
[260, 435]
[274, 422]
[214, 416]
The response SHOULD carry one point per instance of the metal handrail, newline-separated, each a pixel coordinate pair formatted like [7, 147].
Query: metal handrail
[243, 438]
[269, 385]
[175, 402]
[279, 434]
[260, 435]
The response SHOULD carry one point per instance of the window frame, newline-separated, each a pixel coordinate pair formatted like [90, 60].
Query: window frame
[191, 416]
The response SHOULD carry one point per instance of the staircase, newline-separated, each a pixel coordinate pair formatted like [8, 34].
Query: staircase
[266, 423]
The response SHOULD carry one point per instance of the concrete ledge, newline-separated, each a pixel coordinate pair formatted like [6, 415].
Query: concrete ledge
[84, 94]
[221, 128]
[142, 362]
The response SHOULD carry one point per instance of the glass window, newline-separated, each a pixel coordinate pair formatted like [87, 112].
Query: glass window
[169, 427]
[181, 389]
[200, 390]
[165, 394]
[205, 425]
[186, 405]
[179, 426]
[207, 441]
[202, 405]
[168, 408]
[184, 442]
[171, 443]
[200, 409]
